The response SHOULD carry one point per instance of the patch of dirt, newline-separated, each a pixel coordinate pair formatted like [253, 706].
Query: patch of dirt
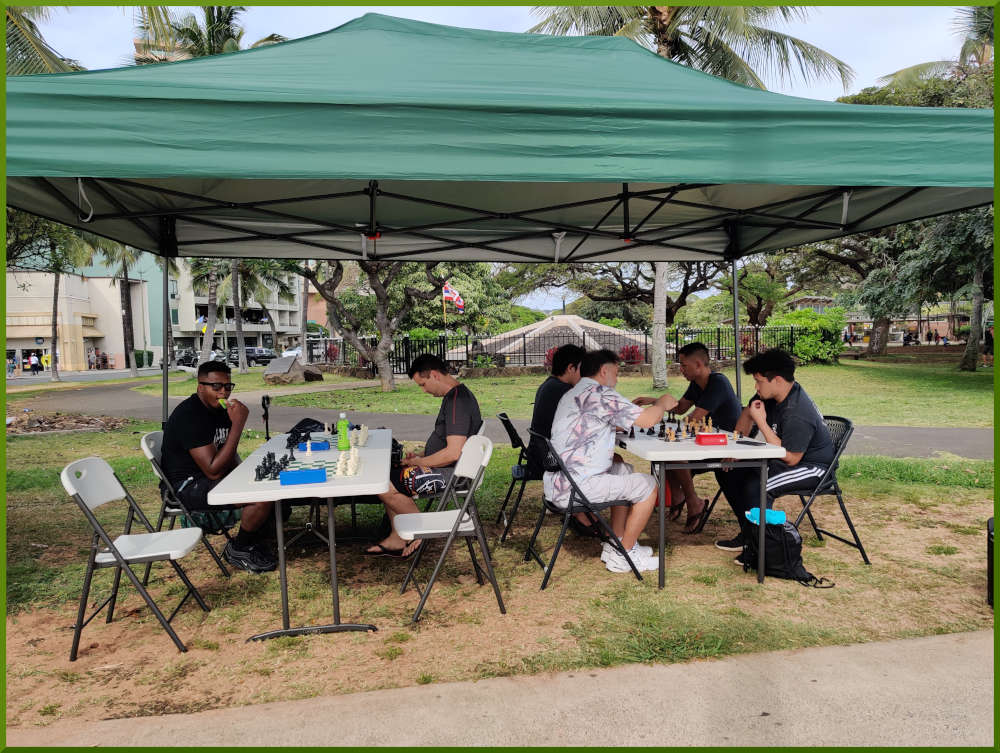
[33, 422]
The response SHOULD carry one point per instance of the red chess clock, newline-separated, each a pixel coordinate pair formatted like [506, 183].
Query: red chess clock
[706, 438]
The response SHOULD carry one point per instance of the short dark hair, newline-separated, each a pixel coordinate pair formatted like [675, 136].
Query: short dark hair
[695, 349]
[426, 363]
[209, 366]
[772, 363]
[566, 356]
[595, 359]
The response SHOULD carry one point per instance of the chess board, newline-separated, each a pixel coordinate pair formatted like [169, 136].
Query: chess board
[326, 459]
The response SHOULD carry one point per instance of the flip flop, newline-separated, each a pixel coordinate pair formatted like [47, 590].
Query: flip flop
[698, 519]
[383, 551]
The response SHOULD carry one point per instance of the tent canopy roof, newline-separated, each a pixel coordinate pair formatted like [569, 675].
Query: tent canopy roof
[454, 144]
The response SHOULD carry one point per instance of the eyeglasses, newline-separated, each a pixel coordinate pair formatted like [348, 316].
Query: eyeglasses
[219, 386]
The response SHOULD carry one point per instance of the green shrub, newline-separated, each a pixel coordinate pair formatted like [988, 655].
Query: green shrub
[423, 333]
[817, 336]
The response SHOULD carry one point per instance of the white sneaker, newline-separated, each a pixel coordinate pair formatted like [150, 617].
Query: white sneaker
[617, 563]
[607, 550]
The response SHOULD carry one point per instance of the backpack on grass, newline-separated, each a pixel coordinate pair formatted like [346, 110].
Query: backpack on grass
[782, 554]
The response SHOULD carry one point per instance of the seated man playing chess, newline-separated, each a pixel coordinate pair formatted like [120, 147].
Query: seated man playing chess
[428, 474]
[199, 450]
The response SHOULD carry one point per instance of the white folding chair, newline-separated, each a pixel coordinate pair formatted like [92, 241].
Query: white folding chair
[171, 506]
[461, 521]
[92, 483]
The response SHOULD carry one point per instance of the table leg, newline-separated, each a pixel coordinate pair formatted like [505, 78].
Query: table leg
[282, 575]
[763, 521]
[332, 541]
[661, 476]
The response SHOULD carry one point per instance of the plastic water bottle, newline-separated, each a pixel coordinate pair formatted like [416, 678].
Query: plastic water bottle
[343, 433]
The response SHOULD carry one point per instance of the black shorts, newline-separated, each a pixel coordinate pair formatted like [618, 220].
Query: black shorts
[194, 494]
[414, 481]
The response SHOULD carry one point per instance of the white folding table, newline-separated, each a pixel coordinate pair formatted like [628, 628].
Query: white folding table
[240, 487]
[687, 455]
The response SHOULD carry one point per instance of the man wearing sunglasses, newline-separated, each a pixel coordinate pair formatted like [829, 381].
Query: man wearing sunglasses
[199, 450]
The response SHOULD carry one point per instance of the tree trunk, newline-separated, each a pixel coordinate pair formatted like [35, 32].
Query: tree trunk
[271, 324]
[660, 325]
[238, 316]
[209, 337]
[126, 296]
[385, 375]
[970, 359]
[55, 324]
[171, 348]
[305, 317]
[880, 336]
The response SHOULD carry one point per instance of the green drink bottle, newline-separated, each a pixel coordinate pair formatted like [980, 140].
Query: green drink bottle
[343, 433]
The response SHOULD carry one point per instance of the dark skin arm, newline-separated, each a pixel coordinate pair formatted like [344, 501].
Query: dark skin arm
[216, 464]
[754, 415]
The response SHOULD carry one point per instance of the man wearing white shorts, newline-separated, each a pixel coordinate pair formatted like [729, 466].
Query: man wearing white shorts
[583, 433]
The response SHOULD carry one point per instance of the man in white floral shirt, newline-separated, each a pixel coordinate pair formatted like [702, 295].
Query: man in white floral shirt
[583, 433]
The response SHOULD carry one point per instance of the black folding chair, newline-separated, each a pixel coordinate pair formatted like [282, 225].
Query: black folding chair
[840, 431]
[92, 483]
[577, 502]
[520, 472]
[171, 506]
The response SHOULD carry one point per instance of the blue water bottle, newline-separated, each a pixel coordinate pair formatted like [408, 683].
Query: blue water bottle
[343, 433]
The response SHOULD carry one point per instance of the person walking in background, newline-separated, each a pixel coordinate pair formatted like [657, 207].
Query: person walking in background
[35, 365]
[11, 365]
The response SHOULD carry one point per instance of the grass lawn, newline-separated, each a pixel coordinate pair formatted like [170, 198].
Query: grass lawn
[869, 393]
[252, 381]
[922, 522]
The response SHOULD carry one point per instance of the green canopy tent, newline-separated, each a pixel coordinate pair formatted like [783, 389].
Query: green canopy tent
[389, 139]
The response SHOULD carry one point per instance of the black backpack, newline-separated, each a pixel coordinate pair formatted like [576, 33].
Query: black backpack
[782, 554]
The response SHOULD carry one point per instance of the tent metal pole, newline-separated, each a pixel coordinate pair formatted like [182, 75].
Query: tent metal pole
[736, 333]
[168, 250]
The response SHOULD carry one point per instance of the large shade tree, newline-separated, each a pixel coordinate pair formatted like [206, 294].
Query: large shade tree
[737, 43]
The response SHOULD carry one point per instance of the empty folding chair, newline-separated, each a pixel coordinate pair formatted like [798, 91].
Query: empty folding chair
[840, 431]
[171, 506]
[577, 502]
[92, 483]
[460, 522]
[519, 472]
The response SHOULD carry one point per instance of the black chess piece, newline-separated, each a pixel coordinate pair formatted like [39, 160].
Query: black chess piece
[631, 433]
[663, 429]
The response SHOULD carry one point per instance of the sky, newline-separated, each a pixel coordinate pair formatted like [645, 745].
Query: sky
[874, 40]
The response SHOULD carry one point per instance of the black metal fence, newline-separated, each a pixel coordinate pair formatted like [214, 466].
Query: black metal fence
[531, 349]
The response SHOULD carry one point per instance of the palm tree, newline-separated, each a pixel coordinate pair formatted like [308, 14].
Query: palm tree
[218, 32]
[732, 42]
[205, 277]
[28, 52]
[259, 278]
[122, 257]
[975, 27]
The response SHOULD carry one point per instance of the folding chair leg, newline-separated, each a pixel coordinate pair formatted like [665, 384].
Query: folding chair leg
[530, 551]
[114, 594]
[475, 562]
[705, 516]
[489, 568]
[513, 512]
[434, 575]
[159, 527]
[854, 533]
[194, 591]
[413, 565]
[211, 551]
[616, 542]
[155, 609]
[555, 552]
[807, 511]
[506, 499]
[78, 627]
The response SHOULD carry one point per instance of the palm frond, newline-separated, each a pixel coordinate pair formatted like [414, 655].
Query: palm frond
[269, 39]
[27, 50]
[974, 23]
[711, 54]
[775, 54]
[916, 73]
[586, 20]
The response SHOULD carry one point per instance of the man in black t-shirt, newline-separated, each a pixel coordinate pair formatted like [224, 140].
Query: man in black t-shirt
[781, 413]
[199, 450]
[565, 374]
[711, 395]
[457, 420]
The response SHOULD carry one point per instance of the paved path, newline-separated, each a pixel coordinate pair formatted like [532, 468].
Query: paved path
[119, 400]
[935, 691]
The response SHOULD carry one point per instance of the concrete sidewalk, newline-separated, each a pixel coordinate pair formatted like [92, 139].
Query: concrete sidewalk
[935, 691]
[120, 400]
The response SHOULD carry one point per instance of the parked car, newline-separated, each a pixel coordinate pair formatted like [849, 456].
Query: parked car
[191, 357]
[297, 351]
[255, 356]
